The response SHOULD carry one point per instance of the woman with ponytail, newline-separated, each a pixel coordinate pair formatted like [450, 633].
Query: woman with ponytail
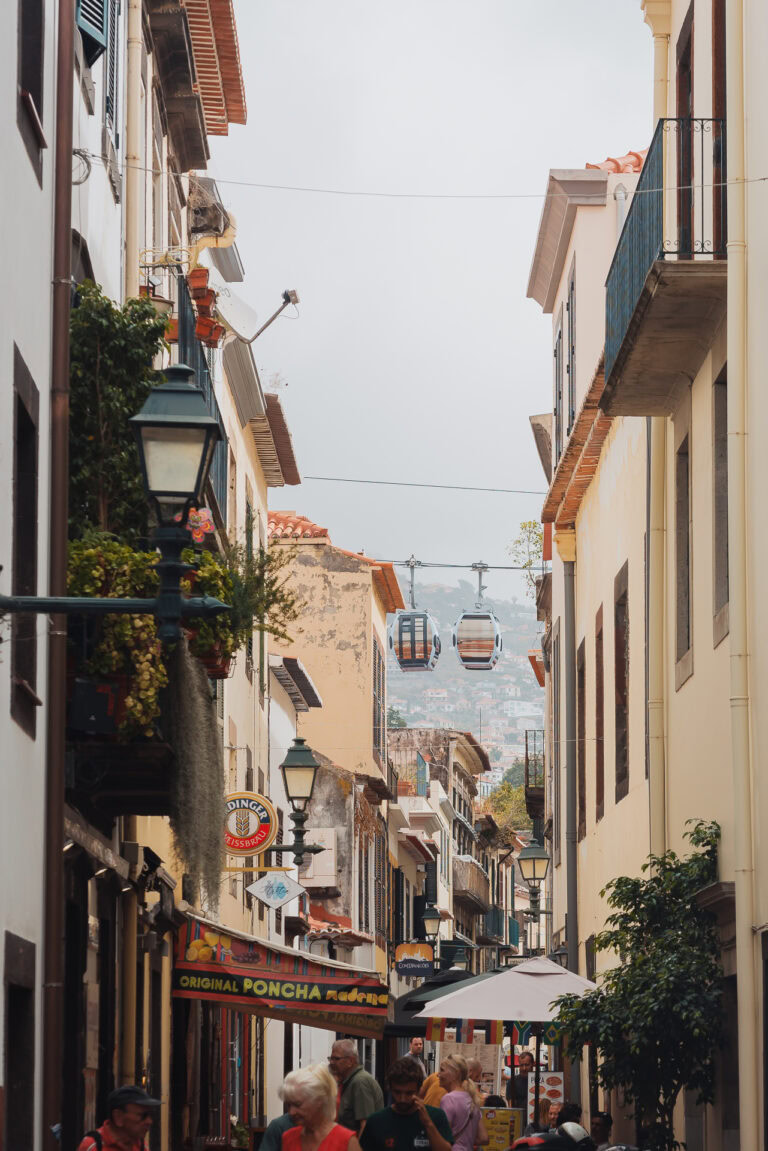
[461, 1104]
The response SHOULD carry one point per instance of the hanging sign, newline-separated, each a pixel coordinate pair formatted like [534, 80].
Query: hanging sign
[275, 890]
[414, 959]
[218, 966]
[250, 823]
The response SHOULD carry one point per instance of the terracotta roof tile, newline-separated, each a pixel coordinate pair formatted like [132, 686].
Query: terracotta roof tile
[290, 526]
[631, 162]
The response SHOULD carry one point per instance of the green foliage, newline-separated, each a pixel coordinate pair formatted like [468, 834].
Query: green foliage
[124, 644]
[254, 584]
[507, 804]
[395, 719]
[111, 374]
[526, 549]
[515, 774]
[656, 1019]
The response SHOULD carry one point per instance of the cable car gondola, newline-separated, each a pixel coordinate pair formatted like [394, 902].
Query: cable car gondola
[477, 634]
[413, 636]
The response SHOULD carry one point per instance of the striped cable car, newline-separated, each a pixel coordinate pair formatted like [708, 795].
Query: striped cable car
[477, 634]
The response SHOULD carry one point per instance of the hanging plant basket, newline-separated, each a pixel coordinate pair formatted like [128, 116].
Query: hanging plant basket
[172, 330]
[216, 336]
[97, 706]
[205, 328]
[197, 281]
[217, 665]
[160, 303]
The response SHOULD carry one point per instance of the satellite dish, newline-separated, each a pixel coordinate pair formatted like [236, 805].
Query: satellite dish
[233, 311]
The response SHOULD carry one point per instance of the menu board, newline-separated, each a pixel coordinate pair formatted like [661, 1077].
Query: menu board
[489, 1055]
[504, 1125]
[551, 1088]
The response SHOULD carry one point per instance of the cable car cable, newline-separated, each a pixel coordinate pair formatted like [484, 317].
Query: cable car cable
[447, 487]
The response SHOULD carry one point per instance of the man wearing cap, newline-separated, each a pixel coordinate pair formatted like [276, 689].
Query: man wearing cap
[130, 1114]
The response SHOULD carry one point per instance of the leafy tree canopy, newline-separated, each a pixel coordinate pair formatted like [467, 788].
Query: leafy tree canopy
[507, 804]
[656, 1018]
[526, 550]
[395, 718]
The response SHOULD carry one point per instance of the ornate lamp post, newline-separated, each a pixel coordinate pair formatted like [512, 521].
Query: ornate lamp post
[299, 771]
[534, 865]
[176, 436]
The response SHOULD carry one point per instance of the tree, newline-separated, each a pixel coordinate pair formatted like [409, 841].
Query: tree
[111, 375]
[394, 718]
[507, 804]
[515, 775]
[656, 1019]
[526, 549]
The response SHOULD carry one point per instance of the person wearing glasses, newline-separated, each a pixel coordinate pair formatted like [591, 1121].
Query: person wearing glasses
[130, 1114]
[360, 1093]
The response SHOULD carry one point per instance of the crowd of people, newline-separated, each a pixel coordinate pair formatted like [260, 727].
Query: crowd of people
[339, 1106]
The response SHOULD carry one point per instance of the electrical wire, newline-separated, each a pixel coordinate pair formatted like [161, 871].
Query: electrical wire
[598, 197]
[445, 487]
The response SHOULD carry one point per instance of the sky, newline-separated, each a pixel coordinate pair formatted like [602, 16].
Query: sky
[416, 355]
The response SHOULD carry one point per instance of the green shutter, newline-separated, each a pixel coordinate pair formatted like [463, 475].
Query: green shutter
[93, 21]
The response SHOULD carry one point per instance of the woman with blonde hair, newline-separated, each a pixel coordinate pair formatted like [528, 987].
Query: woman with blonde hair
[310, 1096]
[461, 1104]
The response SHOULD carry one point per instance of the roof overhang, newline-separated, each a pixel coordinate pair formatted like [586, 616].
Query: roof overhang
[536, 660]
[294, 678]
[263, 415]
[567, 190]
[421, 849]
[481, 762]
[216, 50]
[580, 460]
[542, 434]
[176, 66]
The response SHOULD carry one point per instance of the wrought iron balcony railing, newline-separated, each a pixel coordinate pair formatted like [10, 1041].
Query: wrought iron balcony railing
[534, 758]
[491, 930]
[678, 212]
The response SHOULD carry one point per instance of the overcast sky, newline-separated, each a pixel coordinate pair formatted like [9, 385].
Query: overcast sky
[416, 355]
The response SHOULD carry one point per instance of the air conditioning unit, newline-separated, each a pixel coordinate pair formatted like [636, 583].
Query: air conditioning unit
[321, 870]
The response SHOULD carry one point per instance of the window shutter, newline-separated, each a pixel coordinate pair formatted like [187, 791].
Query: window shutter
[92, 19]
[111, 85]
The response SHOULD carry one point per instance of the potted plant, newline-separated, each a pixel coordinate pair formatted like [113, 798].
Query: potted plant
[121, 649]
[205, 302]
[197, 282]
[205, 327]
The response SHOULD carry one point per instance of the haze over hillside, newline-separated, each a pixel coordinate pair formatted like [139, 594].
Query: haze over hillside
[496, 706]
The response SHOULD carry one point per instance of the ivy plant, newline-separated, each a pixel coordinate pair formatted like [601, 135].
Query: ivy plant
[111, 356]
[656, 1019]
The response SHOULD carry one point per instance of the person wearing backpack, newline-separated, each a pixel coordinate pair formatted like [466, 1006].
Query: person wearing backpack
[130, 1114]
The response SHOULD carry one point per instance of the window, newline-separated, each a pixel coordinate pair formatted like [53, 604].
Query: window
[110, 144]
[19, 1024]
[379, 704]
[599, 718]
[570, 307]
[581, 741]
[558, 387]
[621, 678]
[720, 502]
[29, 81]
[682, 562]
[380, 884]
[556, 812]
[363, 880]
[24, 699]
[92, 18]
[408, 907]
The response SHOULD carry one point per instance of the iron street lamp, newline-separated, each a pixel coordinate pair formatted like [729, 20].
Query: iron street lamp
[533, 861]
[299, 771]
[460, 959]
[559, 955]
[431, 920]
[176, 436]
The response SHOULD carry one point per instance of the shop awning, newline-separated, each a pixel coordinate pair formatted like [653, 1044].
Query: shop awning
[250, 974]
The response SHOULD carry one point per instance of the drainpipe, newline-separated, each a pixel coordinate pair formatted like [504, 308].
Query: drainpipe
[53, 959]
[566, 546]
[134, 109]
[620, 196]
[748, 1004]
[657, 16]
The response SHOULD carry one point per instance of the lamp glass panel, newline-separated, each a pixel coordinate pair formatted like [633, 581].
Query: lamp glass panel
[431, 921]
[172, 458]
[299, 782]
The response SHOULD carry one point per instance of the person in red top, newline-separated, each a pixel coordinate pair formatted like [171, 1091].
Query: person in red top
[131, 1113]
[310, 1096]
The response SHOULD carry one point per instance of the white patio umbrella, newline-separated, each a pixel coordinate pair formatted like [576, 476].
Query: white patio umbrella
[524, 992]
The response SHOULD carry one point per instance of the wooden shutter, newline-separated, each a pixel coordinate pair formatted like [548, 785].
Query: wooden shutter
[92, 18]
[111, 87]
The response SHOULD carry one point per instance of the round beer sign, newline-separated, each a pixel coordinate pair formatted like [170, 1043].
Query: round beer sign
[250, 823]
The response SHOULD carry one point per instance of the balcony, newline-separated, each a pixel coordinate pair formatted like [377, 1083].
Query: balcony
[470, 884]
[666, 288]
[534, 772]
[490, 931]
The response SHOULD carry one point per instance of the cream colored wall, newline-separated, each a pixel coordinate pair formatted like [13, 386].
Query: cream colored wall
[333, 637]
